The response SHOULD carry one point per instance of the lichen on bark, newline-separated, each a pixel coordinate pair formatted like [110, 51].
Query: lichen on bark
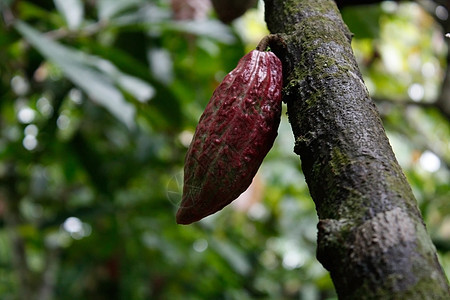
[371, 236]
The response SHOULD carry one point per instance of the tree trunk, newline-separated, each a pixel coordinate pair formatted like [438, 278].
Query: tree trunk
[371, 236]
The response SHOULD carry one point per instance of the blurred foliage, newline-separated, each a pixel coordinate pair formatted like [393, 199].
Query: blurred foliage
[99, 100]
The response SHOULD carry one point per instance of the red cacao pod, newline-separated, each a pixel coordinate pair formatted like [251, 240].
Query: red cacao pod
[234, 134]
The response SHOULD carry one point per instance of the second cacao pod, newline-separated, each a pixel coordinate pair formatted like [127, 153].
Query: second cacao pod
[229, 10]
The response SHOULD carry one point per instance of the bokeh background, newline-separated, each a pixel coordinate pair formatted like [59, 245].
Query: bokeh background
[98, 103]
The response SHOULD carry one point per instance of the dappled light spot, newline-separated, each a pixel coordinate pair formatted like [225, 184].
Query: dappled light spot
[428, 69]
[26, 115]
[31, 130]
[389, 6]
[185, 137]
[72, 225]
[63, 122]
[258, 212]
[76, 96]
[392, 58]
[430, 161]
[200, 245]
[416, 92]
[76, 228]
[441, 12]
[44, 107]
[19, 85]
[293, 260]
[30, 142]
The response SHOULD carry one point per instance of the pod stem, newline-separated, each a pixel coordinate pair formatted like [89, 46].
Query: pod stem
[269, 41]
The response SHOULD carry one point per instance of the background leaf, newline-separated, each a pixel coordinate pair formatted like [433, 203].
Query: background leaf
[72, 10]
[78, 67]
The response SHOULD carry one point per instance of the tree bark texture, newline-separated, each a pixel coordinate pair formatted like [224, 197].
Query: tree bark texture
[371, 236]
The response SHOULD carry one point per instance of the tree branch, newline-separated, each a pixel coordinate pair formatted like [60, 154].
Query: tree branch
[405, 102]
[371, 235]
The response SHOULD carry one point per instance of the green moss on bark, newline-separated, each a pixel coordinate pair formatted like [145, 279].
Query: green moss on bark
[371, 235]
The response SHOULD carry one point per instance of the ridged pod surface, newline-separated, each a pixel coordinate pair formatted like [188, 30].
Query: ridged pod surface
[234, 134]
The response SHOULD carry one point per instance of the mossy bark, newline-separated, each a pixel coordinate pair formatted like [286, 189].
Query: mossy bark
[371, 236]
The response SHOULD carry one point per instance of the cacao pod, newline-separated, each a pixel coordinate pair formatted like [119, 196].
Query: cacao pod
[234, 134]
[229, 10]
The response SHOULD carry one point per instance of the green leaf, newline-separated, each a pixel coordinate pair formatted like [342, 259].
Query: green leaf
[232, 255]
[138, 88]
[96, 76]
[363, 21]
[165, 108]
[148, 14]
[72, 10]
[109, 8]
[161, 64]
[206, 28]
